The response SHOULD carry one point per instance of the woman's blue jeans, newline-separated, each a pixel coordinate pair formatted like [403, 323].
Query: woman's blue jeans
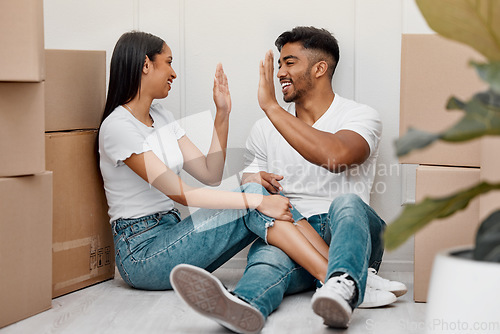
[148, 248]
[351, 228]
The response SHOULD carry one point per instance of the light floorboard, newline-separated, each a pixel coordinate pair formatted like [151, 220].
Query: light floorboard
[113, 307]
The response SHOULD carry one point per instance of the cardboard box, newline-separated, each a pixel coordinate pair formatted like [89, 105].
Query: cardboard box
[25, 246]
[454, 231]
[21, 128]
[75, 89]
[83, 251]
[432, 70]
[21, 41]
[490, 172]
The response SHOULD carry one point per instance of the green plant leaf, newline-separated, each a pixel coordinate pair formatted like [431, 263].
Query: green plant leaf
[416, 216]
[414, 139]
[480, 119]
[488, 239]
[490, 73]
[473, 22]
[454, 103]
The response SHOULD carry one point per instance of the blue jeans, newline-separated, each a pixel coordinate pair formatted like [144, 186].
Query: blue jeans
[351, 228]
[148, 248]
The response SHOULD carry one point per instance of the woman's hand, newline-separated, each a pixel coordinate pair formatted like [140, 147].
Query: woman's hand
[222, 97]
[276, 206]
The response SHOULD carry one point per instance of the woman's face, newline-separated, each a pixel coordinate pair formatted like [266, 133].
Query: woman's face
[161, 74]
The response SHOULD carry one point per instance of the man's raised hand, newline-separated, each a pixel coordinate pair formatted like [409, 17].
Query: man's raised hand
[266, 94]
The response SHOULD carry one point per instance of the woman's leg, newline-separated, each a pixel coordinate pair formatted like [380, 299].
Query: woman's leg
[298, 247]
[299, 240]
[148, 248]
[314, 238]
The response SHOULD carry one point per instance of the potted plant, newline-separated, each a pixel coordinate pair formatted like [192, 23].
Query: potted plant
[463, 292]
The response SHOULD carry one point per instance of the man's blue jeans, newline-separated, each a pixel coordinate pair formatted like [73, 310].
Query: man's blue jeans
[351, 228]
[148, 248]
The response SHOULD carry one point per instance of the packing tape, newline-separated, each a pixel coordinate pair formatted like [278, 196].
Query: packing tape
[65, 245]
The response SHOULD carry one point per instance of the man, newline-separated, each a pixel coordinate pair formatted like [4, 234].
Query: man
[321, 154]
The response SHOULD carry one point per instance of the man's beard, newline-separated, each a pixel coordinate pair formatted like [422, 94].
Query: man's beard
[306, 82]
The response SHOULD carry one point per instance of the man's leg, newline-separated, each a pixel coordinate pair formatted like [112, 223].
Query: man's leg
[355, 244]
[356, 239]
[270, 275]
[263, 283]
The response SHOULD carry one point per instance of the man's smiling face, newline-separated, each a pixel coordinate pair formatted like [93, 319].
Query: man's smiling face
[294, 71]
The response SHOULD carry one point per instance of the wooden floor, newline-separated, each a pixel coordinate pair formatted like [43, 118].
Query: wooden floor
[113, 307]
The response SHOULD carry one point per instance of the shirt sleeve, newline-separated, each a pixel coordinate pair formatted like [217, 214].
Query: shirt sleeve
[121, 139]
[255, 151]
[366, 122]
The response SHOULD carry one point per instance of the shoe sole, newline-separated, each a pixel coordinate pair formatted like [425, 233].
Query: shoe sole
[206, 295]
[398, 293]
[332, 312]
[377, 303]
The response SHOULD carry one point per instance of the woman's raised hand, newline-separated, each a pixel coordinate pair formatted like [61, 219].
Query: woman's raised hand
[276, 206]
[222, 97]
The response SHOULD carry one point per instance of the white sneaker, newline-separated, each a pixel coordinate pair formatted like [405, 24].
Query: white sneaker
[334, 301]
[376, 298]
[205, 294]
[377, 282]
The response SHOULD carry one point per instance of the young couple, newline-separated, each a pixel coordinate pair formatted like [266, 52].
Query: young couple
[303, 202]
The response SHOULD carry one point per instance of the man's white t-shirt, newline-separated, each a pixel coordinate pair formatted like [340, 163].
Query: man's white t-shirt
[122, 135]
[312, 188]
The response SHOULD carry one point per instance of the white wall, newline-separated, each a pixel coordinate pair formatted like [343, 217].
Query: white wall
[237, 33]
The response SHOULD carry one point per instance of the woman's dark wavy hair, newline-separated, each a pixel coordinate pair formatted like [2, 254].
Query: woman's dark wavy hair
[126, 67]
[313, 39]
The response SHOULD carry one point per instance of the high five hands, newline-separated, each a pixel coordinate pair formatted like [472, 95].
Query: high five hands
[222, 97]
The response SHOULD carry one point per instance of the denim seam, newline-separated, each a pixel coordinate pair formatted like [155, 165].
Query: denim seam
[127, 240]
[120, 262]
[132, 221]
[145, 230]
[365, 264]
[177, 240]
[275, 284]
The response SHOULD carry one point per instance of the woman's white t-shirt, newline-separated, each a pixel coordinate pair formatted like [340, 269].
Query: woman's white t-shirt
[311, 188]
[122, 135]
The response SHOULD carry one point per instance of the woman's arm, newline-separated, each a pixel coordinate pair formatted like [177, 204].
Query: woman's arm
[150, 168]
[208, 169]
[297, 244]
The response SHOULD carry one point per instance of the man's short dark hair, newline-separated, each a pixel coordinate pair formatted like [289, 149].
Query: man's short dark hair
[315, 39]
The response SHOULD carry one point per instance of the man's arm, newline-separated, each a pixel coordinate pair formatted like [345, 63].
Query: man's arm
[333, 151]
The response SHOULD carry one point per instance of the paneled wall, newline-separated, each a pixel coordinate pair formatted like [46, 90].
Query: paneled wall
[237, 33]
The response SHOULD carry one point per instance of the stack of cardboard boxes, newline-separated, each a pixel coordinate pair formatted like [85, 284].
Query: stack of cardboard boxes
[25, 186]
[55, 236]
[432, 70]
[75, 93]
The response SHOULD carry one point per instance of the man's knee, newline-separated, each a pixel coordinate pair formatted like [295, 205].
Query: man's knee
[262, 254]
[347, 201]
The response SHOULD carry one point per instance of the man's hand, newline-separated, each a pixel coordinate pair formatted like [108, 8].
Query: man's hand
[266, 93]
[267, 180]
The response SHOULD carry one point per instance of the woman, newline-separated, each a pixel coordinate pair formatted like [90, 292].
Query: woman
[142, 150]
